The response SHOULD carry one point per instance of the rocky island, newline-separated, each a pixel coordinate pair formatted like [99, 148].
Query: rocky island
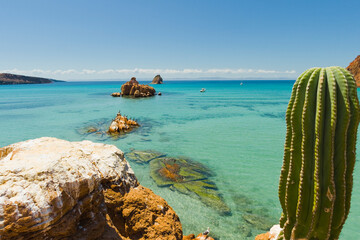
[12, 79]
[157, 80]
[55, 189]
[122, 124]
[134, 89]
[354, 68]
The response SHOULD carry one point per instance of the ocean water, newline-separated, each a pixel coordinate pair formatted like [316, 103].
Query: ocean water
[237, 131]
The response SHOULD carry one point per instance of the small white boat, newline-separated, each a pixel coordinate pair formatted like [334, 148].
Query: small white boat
[241, 83]
[203, 90]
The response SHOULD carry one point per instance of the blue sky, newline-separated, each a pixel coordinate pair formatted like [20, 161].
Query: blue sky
[189, 39]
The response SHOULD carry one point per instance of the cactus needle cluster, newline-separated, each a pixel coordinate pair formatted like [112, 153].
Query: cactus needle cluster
[317, 174]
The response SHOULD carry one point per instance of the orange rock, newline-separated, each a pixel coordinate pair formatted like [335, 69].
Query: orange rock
[264, 236]
[133, 88]
[354, 68]
[271, 235]
[189, 237]
[171, 172]
[140, 214]
[199, 237]
[122, 124]
[116, 94]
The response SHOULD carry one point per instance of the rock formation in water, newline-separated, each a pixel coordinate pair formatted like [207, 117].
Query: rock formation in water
[133, 88]
[55, 189]
[116, 94]
[354, 68]
[157, 80]
[121, 124]
[183, 175]
[11, 79]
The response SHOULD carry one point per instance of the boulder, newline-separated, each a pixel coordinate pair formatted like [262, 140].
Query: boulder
[354, 68]
[133, 88]
[55, 189]
[144, 214]
[116, 94]
[157, 80]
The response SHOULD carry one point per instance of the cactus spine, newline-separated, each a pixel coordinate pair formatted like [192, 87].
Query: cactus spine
[316, 178]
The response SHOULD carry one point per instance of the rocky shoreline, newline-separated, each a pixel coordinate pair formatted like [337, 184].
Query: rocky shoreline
[55, 189]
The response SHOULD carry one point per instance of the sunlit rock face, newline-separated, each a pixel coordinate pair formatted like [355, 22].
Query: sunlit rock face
[354, 68]
[133, 88]
[55, 189]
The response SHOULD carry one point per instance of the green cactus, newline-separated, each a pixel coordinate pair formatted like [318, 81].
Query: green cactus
[316, 178]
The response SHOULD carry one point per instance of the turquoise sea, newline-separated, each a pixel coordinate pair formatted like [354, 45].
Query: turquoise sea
[237, 131]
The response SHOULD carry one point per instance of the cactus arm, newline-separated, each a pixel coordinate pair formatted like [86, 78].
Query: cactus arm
[350, 149]
[319, 147]
[306, 184]
[327, 173]
[292, 184]
[340, 161]
[286, 160]
[351, 146]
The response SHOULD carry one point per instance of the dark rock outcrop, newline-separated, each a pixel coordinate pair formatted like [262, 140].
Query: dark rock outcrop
[11, 79]
[354, 68]
[133, 88]
[157, 80]
[55, 189]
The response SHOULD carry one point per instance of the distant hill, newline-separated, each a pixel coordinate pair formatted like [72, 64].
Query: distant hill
[354, 68]
[10, 79]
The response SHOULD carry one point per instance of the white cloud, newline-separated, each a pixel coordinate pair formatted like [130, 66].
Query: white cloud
[149, 72]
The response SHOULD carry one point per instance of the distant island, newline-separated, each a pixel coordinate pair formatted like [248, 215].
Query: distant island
[11, 79]
[157, 80]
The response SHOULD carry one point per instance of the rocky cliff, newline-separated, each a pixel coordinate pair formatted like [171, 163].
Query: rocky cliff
[55, 189]
[10, 79]
[354, 68]
[157, 80]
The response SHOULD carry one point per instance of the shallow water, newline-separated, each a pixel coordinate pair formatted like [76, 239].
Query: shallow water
[238, 131]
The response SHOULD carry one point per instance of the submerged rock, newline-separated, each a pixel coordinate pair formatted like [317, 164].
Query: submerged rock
[183, 175]
[157, 80]
[188, 178]
[133, 88]
[55, 189]
[143, 156]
